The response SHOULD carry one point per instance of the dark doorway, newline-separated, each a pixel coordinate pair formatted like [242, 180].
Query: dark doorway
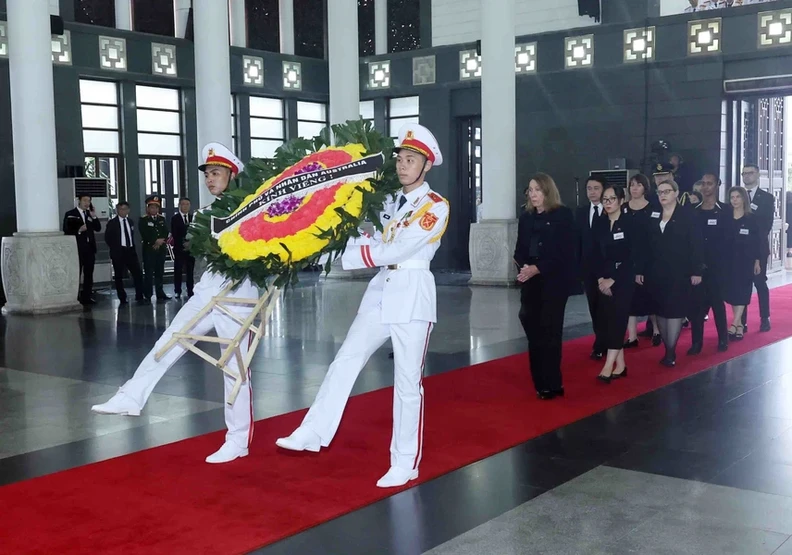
[470, 187]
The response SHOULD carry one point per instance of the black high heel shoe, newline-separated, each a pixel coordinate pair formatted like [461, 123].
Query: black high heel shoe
[622, 374]
[605, 379]
[656, 340]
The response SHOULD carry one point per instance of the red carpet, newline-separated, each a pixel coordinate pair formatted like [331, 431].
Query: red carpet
[167, 500]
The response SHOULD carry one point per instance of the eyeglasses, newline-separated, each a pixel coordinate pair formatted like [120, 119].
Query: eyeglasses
[609, 200]
[665, 191]
[748, 172]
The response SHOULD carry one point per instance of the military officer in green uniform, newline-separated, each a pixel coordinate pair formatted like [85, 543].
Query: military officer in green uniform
[154, 233]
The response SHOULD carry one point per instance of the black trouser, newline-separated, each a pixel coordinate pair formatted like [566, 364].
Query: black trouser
[87, 262]
[182, 262]
[153, 268]
[708, 294]
[593, 296]
[125, 259]
[762, 292]
[542, 318]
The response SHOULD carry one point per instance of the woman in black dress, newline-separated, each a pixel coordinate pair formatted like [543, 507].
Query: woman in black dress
[744, 251]
[545, 257]
[642, 209]
[617, 242]
[675, 266]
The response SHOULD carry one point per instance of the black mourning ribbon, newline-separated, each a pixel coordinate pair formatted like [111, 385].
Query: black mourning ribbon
[359, 170]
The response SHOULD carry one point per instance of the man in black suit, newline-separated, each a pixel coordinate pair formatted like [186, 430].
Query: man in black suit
[584, 217]
[120, 237]
[83, 223]
[763, 206]
[182, 261]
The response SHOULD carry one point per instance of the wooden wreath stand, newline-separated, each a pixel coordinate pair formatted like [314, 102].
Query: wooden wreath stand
[254, 323]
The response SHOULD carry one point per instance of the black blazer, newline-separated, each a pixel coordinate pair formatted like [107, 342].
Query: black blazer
[713, 227]
[676, 253]
[618, 252]
[586, 243]
[179, 230]
[113, 235]
[765, 214]
[743, 241]
[557, 255]
[72, 222]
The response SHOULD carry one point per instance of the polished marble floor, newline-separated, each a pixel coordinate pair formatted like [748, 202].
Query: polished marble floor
[721, 439]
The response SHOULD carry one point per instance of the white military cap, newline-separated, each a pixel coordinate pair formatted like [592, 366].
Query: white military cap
[418, 138]
[215, 154]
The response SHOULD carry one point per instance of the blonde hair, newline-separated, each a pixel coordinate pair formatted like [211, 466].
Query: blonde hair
[552, 198]
[671, 182]
[744, 196]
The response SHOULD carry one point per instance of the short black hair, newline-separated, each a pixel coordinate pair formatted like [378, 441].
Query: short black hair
[83, 195]
[122, 203]
[752, 165]
[601, 180]
[617, 190]
[184, 198]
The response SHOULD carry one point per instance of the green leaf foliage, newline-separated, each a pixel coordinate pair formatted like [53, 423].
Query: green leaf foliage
[270, 270]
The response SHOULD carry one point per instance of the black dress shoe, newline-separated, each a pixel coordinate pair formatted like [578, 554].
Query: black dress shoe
[668, 362]
[596, 355]
[546, 395]
[558, 392]
[694, 349]
[631, 344]
[622, 374]
[723, 346]
[656, 340]
[765, 326]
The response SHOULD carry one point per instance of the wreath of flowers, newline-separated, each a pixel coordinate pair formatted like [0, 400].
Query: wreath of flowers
[296, 232]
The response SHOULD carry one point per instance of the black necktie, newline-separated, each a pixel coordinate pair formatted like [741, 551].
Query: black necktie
[402, 201]
[185, 219]
[127, 235]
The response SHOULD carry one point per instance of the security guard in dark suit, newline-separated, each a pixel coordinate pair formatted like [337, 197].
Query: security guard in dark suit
[763, 206]
[83, 223]
[154, 233]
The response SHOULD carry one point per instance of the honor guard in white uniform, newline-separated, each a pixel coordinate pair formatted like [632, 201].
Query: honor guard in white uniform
[219, 167]
[399, 304]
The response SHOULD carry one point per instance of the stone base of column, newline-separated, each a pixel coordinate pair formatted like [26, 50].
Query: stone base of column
[337, 272]
[492, 251]
[41, 273]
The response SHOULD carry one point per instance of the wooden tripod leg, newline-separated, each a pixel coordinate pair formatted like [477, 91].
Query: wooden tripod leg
[193, 321]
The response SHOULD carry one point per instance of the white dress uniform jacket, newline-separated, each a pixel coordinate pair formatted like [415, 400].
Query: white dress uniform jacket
[409, 241]
[400, 304]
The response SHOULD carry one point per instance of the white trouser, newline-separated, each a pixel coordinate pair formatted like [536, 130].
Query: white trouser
[239, 416]
[365, 336]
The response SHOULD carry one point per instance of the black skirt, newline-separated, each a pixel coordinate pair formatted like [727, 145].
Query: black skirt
[738, 282]
[642, 303]
[671, 295]
[613, 313]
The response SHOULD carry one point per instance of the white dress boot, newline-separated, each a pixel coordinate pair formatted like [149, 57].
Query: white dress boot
[227, 453]
[120, 403]
[396, 477]
[302, 439]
